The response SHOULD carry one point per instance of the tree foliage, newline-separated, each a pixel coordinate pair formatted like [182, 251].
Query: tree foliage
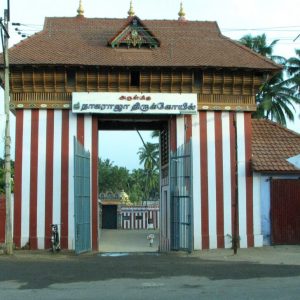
[2, 175]
[277, 97]
[293, 70]
[149, 157]
[136, 183]
[112, 178]
[259, 44]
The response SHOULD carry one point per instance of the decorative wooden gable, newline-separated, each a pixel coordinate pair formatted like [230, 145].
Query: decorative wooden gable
[134, 35]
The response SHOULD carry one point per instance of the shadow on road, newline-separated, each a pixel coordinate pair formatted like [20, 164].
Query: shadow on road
[35, 273]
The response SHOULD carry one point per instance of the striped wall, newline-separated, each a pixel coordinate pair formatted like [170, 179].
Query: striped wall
[214, 181]
[138, 217]
[44, 170]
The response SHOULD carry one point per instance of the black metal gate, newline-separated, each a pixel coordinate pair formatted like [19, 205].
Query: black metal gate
[181, 198]
[82, 198]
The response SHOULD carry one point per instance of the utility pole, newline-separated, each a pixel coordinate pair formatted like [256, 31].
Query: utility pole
[8, 224]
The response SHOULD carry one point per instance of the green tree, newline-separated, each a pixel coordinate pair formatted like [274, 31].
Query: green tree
[275, 99]
[2, 175]
[149, 157]
[112, 178]
[293, 69]
[115, 179]
[136, 185]
[2, 181]
[259, 44]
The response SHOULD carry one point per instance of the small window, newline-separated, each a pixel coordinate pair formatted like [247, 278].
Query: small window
[71, 76]
[135, 78]
[197, 79]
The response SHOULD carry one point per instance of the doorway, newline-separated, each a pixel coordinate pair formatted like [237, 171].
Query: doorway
[109, 217]
[285, 211]
[134, 217]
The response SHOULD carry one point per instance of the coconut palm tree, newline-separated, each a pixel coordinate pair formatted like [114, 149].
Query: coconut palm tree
[275, 99]
[293, 69]
[148, 155]
[258, 44]
[149, 151]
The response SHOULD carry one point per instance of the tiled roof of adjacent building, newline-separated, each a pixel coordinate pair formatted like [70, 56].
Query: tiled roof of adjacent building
[272, 145]
[84, 41]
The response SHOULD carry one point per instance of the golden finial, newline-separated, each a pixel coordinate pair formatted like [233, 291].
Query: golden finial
[181, 13]
[131, 12]
[80, 10]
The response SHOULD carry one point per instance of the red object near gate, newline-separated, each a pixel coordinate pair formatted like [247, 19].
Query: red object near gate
[2, 218]
[285, 211]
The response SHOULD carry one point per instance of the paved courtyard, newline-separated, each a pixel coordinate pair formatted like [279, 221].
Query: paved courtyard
[113, 240]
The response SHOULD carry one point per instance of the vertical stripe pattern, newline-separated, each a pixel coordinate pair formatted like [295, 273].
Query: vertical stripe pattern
[219, 179]
[49, 177]
[33, 179]
[214, 181]
[18, 177]
[197, 182]
[242, 196]
[44, 177]
[64, 179]
[226, 182]
[25, 200]
[143, 217]
[42, 140]
[204, 181]
[44, 189]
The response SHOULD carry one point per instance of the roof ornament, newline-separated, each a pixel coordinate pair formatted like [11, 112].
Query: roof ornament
[181, 13]
[131, 12]
[134, 35]
[80, 10]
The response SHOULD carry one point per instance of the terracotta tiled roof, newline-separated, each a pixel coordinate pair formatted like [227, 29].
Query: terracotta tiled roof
[84, 41]
[272, 144]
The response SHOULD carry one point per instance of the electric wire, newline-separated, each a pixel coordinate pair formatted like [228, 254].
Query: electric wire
[27, 30]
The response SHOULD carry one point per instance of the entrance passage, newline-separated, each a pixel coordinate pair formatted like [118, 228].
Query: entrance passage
[109, 216]
[130, 182]
[120, 240]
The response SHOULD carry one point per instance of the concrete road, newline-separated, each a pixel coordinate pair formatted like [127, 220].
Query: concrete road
[141, 276]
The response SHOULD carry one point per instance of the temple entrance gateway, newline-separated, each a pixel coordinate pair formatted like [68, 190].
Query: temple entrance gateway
[150, 111]
[137, 74]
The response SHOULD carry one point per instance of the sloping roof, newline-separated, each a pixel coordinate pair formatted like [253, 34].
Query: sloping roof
[272, 145]
[84, 41]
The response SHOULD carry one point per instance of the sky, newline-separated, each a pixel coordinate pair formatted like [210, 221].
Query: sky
[278, 19]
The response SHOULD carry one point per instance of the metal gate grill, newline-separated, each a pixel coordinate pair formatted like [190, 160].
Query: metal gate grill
[82, 198]
[181, 198]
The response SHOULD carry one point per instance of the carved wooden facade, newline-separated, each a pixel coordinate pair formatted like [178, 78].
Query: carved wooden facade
[52, 87]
